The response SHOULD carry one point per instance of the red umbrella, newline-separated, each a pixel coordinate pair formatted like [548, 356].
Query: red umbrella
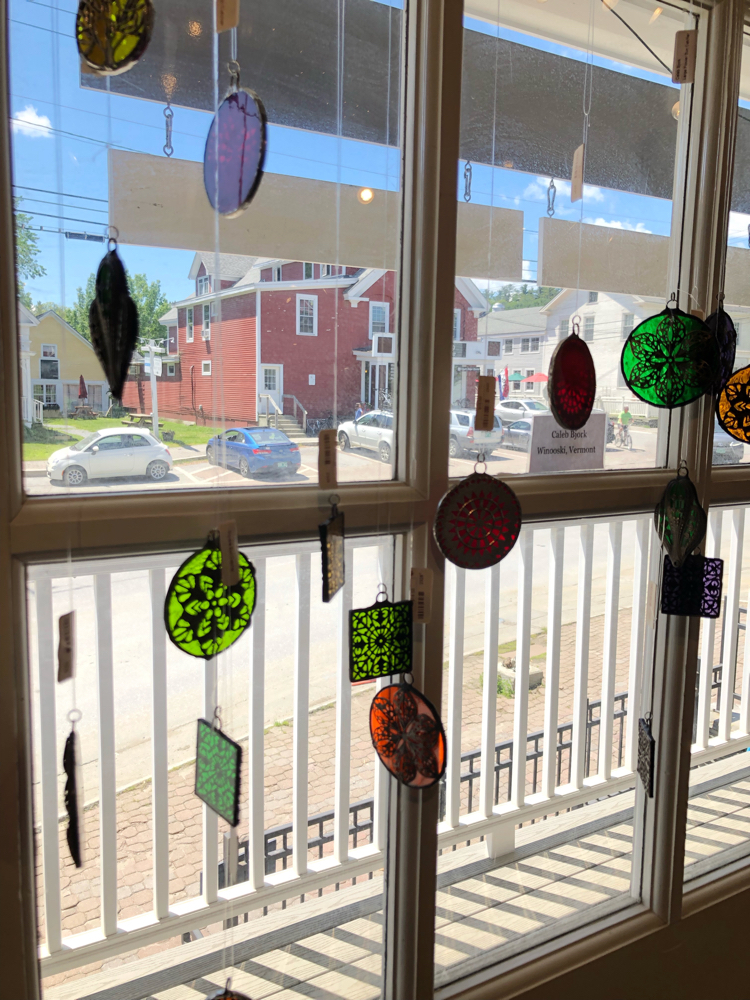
[83, 392]
[538, 377]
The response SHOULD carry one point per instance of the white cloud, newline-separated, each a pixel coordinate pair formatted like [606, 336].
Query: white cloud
[617, 224]
[29, 122]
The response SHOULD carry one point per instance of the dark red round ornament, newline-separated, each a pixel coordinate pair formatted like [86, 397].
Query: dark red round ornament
[572, 382]
[408, 735]
[235, 151]
[477, 522]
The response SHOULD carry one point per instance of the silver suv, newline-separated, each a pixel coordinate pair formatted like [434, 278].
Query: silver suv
[510, 410]
[464, 439]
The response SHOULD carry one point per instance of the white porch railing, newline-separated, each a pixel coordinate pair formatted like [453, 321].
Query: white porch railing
[32, 410]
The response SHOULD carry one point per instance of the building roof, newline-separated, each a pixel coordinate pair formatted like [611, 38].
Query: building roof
[66, 326]
[25, 316]
[512, 322]
[170, 317]
[231, 265]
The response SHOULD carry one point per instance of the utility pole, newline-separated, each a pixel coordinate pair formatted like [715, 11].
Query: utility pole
[152, 351]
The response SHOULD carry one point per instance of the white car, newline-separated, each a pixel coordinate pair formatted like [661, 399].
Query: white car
[510, 410]
[372, 430]
[108, 453]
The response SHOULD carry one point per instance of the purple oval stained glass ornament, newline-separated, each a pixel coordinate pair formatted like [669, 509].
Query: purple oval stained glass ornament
[721, 325]
[572, 382]
[235, 151]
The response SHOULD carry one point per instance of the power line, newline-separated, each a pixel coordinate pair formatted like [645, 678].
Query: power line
[62, 194]
[641, 40]
[41, 201]
[48, 215]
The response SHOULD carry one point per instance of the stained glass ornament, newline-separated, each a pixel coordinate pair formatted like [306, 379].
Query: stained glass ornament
[694, 589]
[733, 405]
[228, 994]
[235, 150]
[113, 320]
[721, 325]
[74, 833]
[679, 519]
[477, 522]
[670, 359]
[380, 640]
[112, 35]
[218, 762]
[646, 753]
[332, 540]
[202, 615]
[408, 735]
[572, 382]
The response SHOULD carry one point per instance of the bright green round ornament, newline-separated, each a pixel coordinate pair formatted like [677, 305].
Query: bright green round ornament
[202, 615]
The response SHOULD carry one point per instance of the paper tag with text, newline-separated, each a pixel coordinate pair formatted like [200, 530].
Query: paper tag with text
[227, 14]
[651, 602]
[485, 416]
[576, 177]
[327, 460]
[66, 648]
[230, 563]
[685, 46]
[421, 595]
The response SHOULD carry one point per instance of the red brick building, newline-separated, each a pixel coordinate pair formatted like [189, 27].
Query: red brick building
[300, 335]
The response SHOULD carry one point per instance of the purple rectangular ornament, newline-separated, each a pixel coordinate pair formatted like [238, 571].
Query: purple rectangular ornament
[694, 589]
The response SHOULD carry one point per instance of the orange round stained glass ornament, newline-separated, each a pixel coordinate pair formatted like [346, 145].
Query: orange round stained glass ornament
[408, 735]
[733, 405]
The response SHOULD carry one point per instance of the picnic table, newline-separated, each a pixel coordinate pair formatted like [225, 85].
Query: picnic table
[138, 420]
[84, 412]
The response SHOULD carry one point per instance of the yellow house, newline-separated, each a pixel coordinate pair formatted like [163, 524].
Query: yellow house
[59, 356]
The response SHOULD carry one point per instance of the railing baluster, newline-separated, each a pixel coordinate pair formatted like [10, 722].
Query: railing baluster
[48, 736]
[609, 660]
[523, 647]
[637, 632]
[301, 715]
[107, 769]
[343, 717]
[580, 688]
[255, 743]
[159, 758]
[731, 618]
[489, 694]
[552, 672]
[744, 726]
[386, 574]
[455, 695]
[210, 818]
[703, 719]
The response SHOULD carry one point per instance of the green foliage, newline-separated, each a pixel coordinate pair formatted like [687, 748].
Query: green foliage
[147, 295]
[523, 296]
[27, 252]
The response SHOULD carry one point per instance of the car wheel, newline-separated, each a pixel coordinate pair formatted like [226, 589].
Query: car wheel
[384, 450]
[157, 471]
[454, 448]
[74, 476]
[210, 456]
[343, 441]
[244, 468]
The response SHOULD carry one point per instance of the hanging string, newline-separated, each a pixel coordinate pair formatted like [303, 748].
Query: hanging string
[467, 181]
[551, 193]
[588, 87]
[168, 116]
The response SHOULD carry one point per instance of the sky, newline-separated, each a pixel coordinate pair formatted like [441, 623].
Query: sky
[61, 133]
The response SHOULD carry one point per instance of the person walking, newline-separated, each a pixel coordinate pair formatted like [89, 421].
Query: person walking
[358, 411]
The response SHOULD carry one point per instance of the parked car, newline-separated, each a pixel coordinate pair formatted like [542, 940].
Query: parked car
[110, 453]
[373, 430]
[727, 450]
[518, 434]
[253, 450]
[464, 439]
[515, 409]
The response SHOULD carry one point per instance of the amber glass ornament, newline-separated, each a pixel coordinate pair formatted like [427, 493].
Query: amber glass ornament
[733, 405]
[572, 382]
[408, 735]
[679, 518]
[670, 359]
[235, 151]
[112, 35]
[113, 320]
[721, 325]
[477, 522]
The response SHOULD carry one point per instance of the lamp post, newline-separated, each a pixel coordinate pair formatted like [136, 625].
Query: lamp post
[153, 351]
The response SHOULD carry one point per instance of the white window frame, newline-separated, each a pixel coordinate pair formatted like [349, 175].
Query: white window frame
[314, 300]
[593, 298]
[515, 384]
[534, 345]
[55, 360]
[379, 305]
[628, 325]
[49, 347]
[203, 285]
[171, 369]
[189, 332]
[277, 273]
[457, 331]
[205, 367]
[508, 346]
[525, 345]
[305, 267]
[326, 270]
[589, 326]
[564, 327]
[206, 325]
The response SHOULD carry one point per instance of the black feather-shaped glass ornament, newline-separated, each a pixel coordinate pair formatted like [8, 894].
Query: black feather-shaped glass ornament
[113, 320]
[721, 325]
[679, 519]
[227, 993]
[72, 806]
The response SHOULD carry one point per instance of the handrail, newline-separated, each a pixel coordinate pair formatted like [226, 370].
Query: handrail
[268, 398]
[288, 395]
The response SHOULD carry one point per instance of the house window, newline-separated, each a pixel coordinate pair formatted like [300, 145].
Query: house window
[627, 325]
[206, 332]
[534, 344]
[170, 370]
[494, 348]
[204, 285]
[277, 274]
[326, 270]
[46, 394]
[459, 350]
[311, 380]
[49, 366]
[588, 328]
[206, 368]
[456, 324]
[507, 347]
[269, 379]
[564, 327]
[307, 315]
[49, 350]
[308, 271]
[515, 383]
[593, 296]
[189, 331]
[378, 318]
[530, 386]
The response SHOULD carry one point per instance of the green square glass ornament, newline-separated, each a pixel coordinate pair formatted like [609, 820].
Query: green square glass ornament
[380, 640]
[218, 762]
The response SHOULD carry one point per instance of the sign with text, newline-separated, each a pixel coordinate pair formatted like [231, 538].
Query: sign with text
[327, 478]
[66, 649]
[485, 414]
[683, 66]
[421, 595]
[227, 14]
[555, 449]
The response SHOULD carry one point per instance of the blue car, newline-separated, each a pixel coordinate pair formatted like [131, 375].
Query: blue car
[254, 449]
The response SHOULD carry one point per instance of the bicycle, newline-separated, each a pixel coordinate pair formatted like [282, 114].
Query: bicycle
[623, 440]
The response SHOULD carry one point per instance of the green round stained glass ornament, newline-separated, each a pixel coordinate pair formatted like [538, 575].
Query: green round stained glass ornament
[671, 359]
[679, 519]
[203, 616]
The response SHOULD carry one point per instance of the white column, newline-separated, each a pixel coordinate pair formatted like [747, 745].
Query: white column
[523, 646]
[301, 716]
[107, 770]
[159, 758]
[255, 743]
[489, 694]
[580, 685]
[455, 693]
[637, 630]
[731, 621]
[552, 672]
[708, 638]
[345, 598]
[609, 661]
[210, 818]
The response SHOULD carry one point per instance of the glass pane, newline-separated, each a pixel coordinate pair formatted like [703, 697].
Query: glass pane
[533, 261]
[258, 320]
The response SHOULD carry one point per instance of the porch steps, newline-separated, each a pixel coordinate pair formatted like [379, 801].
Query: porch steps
[288, 425]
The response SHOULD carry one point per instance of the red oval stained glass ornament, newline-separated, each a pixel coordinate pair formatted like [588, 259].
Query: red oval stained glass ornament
[572, 382]
[477, 522]
[408, 735]
[235, 152]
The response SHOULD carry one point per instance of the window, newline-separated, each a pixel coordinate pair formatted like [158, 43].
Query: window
[588, 328]
[564, 327]
[456, 324]
[111, 442]
[530, 386]
[277, 274]
[627, 325]
[326, 270]
[206, 331]
[204, 284]
[206, 368]
[529, 345]
[459, 350]
[307, 315]
[515, 382]
[593, 296]
[378, 318]
[47, 394]
[49, 350]
[189, 327]
[269, 379]
[311, 380]
[139, 441]
[507, 347]
[170, 370]
[308, 272]
[534, 344]
[49, 368]
[494, 348]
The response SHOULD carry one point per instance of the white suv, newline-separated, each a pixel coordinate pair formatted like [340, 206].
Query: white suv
[515, 409]
[372, 430]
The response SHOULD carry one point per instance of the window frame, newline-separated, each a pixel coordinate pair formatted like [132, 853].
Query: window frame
[205, 367]
[206, 324]
[507, 346]
[203, 285]
[305, 275]
[189, 329]
[301, 297]
[385, 306]
[457, 323]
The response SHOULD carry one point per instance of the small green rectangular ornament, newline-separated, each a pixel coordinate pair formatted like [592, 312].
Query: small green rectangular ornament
[217, 772]
[380, 640]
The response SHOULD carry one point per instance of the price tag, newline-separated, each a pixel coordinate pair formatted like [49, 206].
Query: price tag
[230, 567]
[227, 14]
[685, 46]
[421, 595]
[327, 460]
[485, 415]
[66, 648]
[576, 178]
[651, 602]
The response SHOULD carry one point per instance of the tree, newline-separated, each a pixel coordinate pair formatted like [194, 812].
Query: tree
[523, 296]
[78, 313]
[147, 295]
[27, 252]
